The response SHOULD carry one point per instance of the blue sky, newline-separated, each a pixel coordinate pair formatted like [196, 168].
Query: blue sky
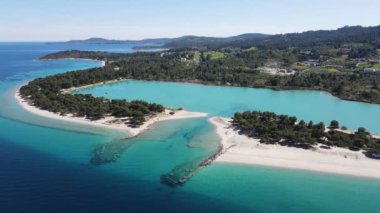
[53, 20]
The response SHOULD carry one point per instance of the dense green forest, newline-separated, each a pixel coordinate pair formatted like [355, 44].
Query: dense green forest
[288, 131]
[93, 55]
[45, 93]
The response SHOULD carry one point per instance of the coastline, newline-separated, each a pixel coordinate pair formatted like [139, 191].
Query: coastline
[102, 63]
[72, 89]
[110, 122]
[240, 149]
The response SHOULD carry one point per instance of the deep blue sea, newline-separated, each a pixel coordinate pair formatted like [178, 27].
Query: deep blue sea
[44, 164]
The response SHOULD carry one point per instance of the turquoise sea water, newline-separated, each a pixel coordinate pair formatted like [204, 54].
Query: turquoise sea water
[44, 164]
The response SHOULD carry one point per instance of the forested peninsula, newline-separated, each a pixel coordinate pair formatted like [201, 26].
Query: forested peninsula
[47, 94]
[289, 131]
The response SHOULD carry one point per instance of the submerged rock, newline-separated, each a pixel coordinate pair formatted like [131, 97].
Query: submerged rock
[109, 152]
[182, 173]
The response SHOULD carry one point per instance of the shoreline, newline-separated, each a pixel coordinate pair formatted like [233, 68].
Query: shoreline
[240, 149]
[102, 63]
[73, 89]
[109, 122]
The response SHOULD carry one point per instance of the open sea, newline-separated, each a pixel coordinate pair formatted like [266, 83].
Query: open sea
[45, 164]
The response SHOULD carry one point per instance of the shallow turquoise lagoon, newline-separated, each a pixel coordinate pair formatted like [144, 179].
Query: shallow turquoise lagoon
[225, 101]
[44, 164]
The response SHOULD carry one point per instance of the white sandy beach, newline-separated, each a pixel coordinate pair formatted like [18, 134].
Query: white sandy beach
[110, 121]
[243, 150]
[103, 63]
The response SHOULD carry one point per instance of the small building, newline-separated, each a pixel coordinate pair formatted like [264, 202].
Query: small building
[374, 60]
[306, 52]
[276, 71]
[371, 70]
[312, 63]
[358, 60]
[345, 50]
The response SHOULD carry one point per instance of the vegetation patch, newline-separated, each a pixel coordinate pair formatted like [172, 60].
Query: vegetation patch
[288, 131]
[338, 60]
[333, 70]
[299, 67]
[208, 55]
[363, 65]
[252, 49]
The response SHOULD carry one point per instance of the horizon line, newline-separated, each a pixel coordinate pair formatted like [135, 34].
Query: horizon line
[163, 37]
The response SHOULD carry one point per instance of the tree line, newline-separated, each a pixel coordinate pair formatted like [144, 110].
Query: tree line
[288, 131]
[45, 93]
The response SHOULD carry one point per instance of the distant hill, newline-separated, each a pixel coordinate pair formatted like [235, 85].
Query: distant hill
[348, 34]
[108, 41]
[184, 41]
[202, 41]
[249, 36]
[95, 41]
